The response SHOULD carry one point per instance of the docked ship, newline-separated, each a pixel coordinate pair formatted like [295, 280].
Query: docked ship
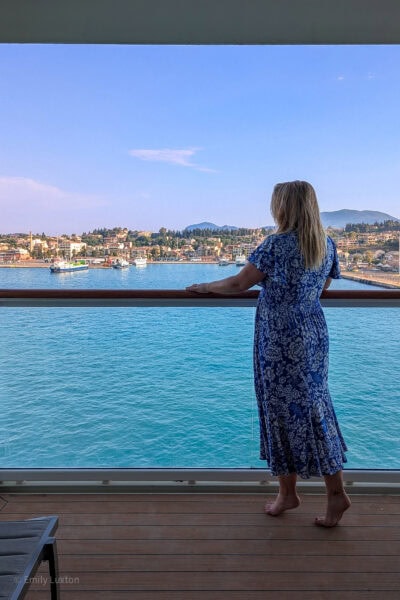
[140, 261]
[120, 263]
[224, 262]
[240, 260]
[63, 266]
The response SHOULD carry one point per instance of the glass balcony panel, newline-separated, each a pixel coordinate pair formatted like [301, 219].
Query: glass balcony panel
[126, 387]
[365, 383]
[173, 387]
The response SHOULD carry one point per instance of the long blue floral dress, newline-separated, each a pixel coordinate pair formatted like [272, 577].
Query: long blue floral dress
[299, 432]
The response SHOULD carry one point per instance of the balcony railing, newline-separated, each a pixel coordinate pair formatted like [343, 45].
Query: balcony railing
[40, 298]
[161, 298]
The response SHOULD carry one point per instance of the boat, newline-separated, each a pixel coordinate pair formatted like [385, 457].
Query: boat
[223, 262]
[120, 263]
[140, 261]
[62, 266]
[240, 260]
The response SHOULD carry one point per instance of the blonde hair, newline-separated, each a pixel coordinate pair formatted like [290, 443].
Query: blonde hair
[294, 207]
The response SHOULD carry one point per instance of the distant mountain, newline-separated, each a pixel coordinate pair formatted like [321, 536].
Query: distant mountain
[335, 218]
[340, 218]
[206, 225]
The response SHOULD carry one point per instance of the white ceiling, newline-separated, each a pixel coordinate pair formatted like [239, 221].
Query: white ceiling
[201, 21]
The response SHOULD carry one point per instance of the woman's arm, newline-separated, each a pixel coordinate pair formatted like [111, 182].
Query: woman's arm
[244, 280]
[327, 283]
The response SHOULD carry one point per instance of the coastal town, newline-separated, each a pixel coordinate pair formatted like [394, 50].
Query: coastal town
[363, 249]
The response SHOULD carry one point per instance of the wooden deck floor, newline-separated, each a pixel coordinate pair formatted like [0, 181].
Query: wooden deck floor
[215, 547]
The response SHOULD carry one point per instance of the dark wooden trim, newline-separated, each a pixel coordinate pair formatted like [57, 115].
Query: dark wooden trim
[180, 294]
[361, 295]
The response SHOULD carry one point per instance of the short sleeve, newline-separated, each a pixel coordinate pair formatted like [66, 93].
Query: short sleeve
[334, 273]
[262, 257]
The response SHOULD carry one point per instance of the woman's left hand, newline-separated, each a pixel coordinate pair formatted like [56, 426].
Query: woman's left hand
[198, 288]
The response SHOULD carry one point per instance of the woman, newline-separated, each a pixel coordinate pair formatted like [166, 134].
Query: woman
[299, 433]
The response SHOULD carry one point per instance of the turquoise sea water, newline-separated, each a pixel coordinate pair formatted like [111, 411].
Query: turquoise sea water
[172, 387]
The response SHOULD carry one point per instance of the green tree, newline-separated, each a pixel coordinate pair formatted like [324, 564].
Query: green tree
[369, 257]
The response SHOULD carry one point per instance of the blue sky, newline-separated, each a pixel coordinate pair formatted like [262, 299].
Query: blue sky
[166, 136]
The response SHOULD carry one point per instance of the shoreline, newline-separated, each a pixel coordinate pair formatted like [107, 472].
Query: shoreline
[374, 280]
[32, 264]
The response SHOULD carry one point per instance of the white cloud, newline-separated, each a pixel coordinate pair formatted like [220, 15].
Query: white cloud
[181, 158]
[28, 204]
[340, 78]
[31, 194]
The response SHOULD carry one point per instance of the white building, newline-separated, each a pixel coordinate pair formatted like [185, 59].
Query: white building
[69, 248]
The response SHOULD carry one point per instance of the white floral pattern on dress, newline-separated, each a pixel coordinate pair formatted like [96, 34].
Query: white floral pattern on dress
[299, 432]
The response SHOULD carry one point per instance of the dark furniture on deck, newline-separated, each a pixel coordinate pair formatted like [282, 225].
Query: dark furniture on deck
[23, 546]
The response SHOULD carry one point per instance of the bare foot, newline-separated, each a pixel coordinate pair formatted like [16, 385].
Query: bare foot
[337, 505]
[281, 504]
